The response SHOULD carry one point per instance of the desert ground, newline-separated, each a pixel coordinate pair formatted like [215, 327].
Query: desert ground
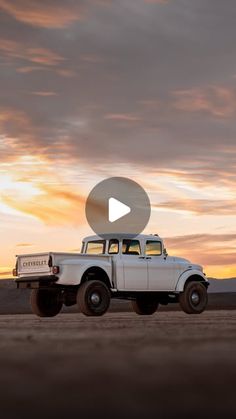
[120, 365]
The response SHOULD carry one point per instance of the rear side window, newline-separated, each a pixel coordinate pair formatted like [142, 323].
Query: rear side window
[113, 247]
[131, 247]
[96, 247]
[153, 248]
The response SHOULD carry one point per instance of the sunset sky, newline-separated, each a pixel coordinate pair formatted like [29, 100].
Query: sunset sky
[144, 89]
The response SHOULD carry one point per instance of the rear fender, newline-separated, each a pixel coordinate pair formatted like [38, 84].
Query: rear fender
[71, 272]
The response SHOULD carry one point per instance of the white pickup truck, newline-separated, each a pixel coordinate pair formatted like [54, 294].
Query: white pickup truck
[137, 269]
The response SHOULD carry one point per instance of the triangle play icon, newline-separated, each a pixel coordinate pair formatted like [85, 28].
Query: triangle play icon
[117, 210]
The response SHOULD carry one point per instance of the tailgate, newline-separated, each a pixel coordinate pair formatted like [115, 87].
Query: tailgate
[34, 264]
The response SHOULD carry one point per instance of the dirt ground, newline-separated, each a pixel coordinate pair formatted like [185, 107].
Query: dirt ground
[120, 365]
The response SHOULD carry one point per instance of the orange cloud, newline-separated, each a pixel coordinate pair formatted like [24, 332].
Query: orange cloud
[17, 118]
[52, 205]
[37, 55]
[202, 176]
[24, 245]
[63, 72]
[217, 101]
[43, 56]
[28, 69]
[201, 206]
[44, 94]
[5, 272]
[15, 126]
[45, 14]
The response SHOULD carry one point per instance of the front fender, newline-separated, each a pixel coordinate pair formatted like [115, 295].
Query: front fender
[186, 275]
[72, 272]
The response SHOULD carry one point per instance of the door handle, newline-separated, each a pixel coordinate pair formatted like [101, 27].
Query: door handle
[142, 257]
[148, 258]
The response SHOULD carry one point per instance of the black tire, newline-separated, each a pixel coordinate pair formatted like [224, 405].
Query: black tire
[93, 298]
[144, 306]
[45, 303]
[194, 299]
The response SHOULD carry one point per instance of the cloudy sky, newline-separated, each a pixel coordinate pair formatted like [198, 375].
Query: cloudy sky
[144, 89]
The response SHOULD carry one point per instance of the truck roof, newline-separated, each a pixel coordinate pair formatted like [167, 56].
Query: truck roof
[121, 236]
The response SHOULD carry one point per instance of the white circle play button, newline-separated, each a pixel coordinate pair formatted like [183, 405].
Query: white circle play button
[118, 205]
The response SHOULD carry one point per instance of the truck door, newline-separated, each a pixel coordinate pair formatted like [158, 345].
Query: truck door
[160, 270]
[134, 266]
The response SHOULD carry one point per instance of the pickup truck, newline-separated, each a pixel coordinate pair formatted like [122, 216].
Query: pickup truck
[119, 266]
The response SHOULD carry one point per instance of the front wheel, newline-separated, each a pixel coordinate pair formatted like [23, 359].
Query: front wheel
[93, 298]
[194, 299]
[45, 303]
[144, 306]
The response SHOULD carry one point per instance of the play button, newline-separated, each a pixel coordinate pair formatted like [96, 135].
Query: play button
[117, 210]
[118, 205]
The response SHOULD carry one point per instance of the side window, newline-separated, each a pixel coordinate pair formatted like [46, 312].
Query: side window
[96, 247]
[131, 247]
[153, 248]
[113, 247]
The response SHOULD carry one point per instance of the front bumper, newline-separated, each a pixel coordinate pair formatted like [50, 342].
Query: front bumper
[36, 281]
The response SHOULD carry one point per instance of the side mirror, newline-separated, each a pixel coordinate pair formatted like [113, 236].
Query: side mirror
[165, 253]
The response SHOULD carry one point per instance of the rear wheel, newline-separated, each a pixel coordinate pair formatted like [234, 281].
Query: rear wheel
[45, 303]
[144, 306]
[194, 299]
[93, 298]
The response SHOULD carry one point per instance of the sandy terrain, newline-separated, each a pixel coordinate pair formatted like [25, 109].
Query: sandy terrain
[118, 366]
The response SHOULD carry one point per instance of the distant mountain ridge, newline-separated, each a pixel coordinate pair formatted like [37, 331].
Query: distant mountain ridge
[222, 285]
[222, 295]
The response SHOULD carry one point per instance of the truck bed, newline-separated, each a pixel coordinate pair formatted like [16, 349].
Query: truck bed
[41, 263]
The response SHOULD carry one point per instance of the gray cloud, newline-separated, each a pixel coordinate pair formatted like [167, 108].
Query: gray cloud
[114, 78]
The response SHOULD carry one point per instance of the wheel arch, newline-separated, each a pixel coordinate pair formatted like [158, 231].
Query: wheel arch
[96, 273]
[190, 276]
